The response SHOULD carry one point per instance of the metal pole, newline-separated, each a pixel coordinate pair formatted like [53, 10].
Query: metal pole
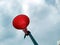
[33, 40]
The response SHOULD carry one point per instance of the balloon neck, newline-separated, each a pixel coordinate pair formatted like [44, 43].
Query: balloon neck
[25, 31]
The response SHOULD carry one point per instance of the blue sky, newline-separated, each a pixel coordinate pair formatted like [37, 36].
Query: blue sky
[44, 21]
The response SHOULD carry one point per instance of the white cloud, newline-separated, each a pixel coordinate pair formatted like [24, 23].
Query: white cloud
[25, 8]
[2, 3]
[40, 24]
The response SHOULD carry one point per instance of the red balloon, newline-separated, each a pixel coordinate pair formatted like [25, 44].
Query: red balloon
[21, 21]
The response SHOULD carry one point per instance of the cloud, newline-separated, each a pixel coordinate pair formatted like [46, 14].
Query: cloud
[51, 2]
[44, 24]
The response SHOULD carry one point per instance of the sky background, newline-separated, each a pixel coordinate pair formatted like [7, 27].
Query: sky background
[44, 21]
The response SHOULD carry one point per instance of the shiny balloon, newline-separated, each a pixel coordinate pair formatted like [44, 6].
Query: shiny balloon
[21, 21]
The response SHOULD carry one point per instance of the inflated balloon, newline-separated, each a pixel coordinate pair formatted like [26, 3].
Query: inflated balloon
[21, 21]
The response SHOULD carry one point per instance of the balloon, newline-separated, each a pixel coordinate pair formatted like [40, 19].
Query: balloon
[21, 21]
